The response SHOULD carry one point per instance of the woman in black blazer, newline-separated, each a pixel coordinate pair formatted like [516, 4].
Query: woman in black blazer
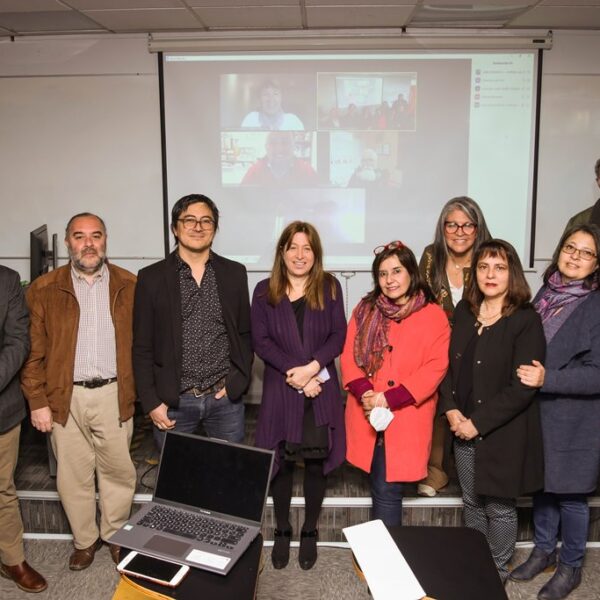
[498, 446]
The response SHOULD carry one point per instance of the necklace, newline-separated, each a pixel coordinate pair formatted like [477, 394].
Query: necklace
[488, 318]
[481, 318]
[458, 266]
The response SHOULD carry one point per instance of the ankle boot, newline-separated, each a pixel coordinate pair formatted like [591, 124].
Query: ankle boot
[307, 556]
[563, 582]
[280, 555]
[537, 563]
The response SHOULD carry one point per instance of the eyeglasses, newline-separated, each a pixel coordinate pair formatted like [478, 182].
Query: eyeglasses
[583, 252]
[190, 223]
[452, 227]
[390, 246]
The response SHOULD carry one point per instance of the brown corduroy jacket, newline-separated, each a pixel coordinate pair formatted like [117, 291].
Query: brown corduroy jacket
[47, 376]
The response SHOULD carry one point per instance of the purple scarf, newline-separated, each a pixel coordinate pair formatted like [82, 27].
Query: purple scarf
[557, 300]
[373, 324]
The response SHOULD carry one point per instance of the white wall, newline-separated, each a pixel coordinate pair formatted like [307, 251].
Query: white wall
[569, 134]
[79, 130]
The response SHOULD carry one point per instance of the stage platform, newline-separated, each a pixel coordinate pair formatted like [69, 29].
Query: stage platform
[347, 501]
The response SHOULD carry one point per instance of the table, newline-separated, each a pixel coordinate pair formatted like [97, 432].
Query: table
[451, 563]
[239, 583]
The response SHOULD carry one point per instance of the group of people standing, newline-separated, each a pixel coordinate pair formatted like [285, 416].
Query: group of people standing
[448, 356]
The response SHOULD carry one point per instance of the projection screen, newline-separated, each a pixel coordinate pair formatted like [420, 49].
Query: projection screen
[367, 147]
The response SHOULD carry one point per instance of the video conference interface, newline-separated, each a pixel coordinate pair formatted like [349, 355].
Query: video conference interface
[366, 148]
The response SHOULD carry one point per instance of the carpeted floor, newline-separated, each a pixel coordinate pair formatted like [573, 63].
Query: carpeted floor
[332, 578]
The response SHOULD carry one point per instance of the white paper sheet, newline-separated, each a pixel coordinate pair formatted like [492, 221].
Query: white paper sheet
[387, 573]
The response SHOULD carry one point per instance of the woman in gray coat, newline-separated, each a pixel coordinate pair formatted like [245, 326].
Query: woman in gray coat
[569, 394]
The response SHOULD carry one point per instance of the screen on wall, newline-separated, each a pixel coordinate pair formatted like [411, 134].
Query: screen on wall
[367, 147]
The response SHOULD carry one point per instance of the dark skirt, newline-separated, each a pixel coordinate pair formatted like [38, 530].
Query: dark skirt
[315, 439]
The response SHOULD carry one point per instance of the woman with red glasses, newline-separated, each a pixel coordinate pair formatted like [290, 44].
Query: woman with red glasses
[395, 355]
[569, 397]
[445, 264]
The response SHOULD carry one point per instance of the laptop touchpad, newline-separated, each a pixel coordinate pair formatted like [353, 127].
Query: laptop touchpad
[167, 545]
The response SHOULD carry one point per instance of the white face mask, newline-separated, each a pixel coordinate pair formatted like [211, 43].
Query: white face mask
[380, 417]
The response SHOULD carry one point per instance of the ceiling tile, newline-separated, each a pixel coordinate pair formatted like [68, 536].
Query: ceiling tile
[570, 3]
[446, 15]
[236, 3]
[559, 16]
[358, 16]
[159, 19]
[47, 21]
[365, 3]
[481, 4]
[30, 6]
[257, 17]
[123, 4]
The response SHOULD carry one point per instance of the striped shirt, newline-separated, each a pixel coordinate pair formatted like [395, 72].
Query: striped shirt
[95, 353]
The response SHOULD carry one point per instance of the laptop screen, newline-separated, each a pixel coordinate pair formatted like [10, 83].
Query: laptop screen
[214, 475]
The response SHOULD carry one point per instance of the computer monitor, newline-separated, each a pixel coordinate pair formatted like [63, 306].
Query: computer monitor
[40, 256]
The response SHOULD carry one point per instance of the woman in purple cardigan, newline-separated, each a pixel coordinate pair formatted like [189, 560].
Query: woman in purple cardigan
[298, 329]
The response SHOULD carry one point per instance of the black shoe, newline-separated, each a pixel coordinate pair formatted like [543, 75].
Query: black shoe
[307, 557]
[563, 582]
[280, 556]
[537, 563]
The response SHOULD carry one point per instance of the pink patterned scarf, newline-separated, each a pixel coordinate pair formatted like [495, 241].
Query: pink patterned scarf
[373, 324]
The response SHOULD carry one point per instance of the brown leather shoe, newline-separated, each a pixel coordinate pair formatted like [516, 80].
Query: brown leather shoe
[26, 577]
[82, 559]
[114, 552]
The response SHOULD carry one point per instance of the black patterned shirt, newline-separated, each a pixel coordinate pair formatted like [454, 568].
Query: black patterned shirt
[204, 336]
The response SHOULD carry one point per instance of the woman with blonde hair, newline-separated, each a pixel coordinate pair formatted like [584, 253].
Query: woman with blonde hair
[298, 329]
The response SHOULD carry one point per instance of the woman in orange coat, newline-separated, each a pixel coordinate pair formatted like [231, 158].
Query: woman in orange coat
[394, 358]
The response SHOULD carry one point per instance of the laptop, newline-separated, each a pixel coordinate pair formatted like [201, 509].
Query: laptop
[207, 506]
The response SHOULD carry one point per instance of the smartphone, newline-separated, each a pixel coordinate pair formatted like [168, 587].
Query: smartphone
[153, 569]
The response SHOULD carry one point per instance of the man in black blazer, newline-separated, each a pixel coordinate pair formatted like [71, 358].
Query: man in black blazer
[14, 349]
[192, 353]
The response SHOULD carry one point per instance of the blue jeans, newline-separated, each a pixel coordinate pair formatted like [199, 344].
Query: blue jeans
[222, 419]
[386, 497]
[570, 513]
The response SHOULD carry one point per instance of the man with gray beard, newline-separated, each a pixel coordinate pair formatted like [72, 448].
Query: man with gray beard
[78, 381]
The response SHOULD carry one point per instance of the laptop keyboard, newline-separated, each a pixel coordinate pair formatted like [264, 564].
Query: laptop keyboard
[192, 526]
